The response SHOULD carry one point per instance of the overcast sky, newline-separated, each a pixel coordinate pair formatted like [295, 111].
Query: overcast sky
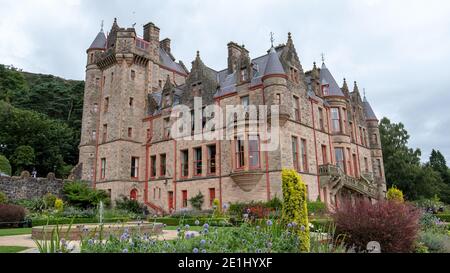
[399, 51]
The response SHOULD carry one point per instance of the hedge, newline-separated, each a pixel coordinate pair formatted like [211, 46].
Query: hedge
[171, 221]
[444, 217]
[67, 221]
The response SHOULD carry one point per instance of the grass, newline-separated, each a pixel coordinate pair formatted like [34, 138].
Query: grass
[12, 249]
[14, 231]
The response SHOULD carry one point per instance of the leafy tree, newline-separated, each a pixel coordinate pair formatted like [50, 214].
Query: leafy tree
[23, 158]
[79, 194]
[5, 167]
[438, 163]
[12, 84]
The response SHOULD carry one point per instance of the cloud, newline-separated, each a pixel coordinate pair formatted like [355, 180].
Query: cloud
[397, 50]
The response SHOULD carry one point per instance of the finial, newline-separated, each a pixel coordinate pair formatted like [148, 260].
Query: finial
[364, 92]
[101, 26]
[272, 40]
[115, 20]
[323, 58]
[289, 35]
[198, 53]
[315, 66]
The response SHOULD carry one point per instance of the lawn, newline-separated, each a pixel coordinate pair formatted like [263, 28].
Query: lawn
[14, 231]
[12, 249]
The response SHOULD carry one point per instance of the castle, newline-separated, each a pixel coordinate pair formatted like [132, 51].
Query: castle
[328, 133]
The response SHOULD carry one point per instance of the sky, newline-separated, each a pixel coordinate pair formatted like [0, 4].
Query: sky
[398, 51]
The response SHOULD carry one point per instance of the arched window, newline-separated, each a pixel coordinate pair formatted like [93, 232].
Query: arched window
[133, 194]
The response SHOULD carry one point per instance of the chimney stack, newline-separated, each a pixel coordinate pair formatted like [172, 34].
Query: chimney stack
[151, 33]
[165, 44]
[234, 53]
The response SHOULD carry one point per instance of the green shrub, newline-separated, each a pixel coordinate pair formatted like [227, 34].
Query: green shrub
[435, 242]
[197, 201]
[421, 248]
[5, 166]
[124, 203]
[395, 194]
[49, 200]
[316, 208]
[79, 194]
[321, 224]
[275, 204]
[444, 217]
[3, 198]
[74, 212]
[294, 206]
[59, 204]
[171, 221]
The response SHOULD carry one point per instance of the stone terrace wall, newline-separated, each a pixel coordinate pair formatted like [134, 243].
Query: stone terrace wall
[17, 188]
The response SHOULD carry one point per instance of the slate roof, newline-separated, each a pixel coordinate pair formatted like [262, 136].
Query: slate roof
[368, 111]
[99, 41]
[167, 61]
[273, 65]
[327, 78]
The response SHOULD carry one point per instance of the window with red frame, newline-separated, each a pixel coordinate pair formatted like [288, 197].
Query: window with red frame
[296, 108]
[212, 159]
[304, 150]
[212, 196]
[134, 167]
[153, 166]
[184, 202]
[103, 168]
[253, 152]
[324, 155]
[355, 165]
[336, 120]
[294, 141]
[162, 165]
[198, 164]
[239, 153]
[184, 163]
[340, 160]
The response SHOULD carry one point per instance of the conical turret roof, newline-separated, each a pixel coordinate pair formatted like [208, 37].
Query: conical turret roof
[368, 111]
[274, 66]
[99, 41]
[327, 78]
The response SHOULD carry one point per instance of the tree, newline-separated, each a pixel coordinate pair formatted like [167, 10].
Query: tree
[438, 163]
[23, 158]
[5, 166]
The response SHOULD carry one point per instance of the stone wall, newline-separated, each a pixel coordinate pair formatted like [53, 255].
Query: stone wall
[17, 188]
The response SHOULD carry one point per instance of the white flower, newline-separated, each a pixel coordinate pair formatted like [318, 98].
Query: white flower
[311, 225]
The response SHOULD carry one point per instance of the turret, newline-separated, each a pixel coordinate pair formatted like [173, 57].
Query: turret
[91, 106]
[275, 86]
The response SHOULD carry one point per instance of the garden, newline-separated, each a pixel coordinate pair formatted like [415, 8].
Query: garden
[283, 225]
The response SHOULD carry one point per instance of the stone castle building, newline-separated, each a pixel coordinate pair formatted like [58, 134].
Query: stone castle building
[328, 133]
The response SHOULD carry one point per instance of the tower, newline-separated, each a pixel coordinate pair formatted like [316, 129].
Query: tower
[91, 106]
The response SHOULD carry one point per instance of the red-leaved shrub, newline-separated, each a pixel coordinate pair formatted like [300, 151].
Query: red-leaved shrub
[392, 224]
[11, 213]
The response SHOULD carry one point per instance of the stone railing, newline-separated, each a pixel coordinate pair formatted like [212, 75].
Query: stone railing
[361, 185]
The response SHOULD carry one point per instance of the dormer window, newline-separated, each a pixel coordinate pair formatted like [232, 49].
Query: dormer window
[167, 100]
[325, 89]
[244, 74]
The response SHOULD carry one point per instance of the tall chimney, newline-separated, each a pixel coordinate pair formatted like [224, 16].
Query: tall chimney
[165, 44]
[234, 53]
[151, 33]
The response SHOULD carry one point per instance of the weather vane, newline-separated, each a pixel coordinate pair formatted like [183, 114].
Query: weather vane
[323, 58]
[101, 26]
[271, 38]
[364, 92]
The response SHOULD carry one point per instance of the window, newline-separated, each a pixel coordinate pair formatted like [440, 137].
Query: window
[296, 108]
[149, 133]
[105, 132]
[91, 57]
[294, 74]
[253, 151]
[321, 123]
[95, 107]
[133, 74]
[244, 74]
[166, 128]
[304, 150]
[198, 161]
[153, 166]
[131, 102]
[154, 193]
[340, 161]
[245, 101]
[277, 99]
[212, 159]
[130, 132]
[355, 165]
[295, 152]
[170, 200]
[192, 121]
[352, 133]
[379, 167]
[112, 76]
[162, 165]
[184, 202]
[349, 162]
[336, 120]
[134, 167]
[106, 104]
[167, 100]
[97, 80]
[94, 135]
[325, 89]
[324, 155]
[361, 136]
[103, 168]
[239, 153]
[184, 163]
[366, 141]
[375, 138]
[366, 163]
[212, 196]
[344, 120]
[159, 193]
